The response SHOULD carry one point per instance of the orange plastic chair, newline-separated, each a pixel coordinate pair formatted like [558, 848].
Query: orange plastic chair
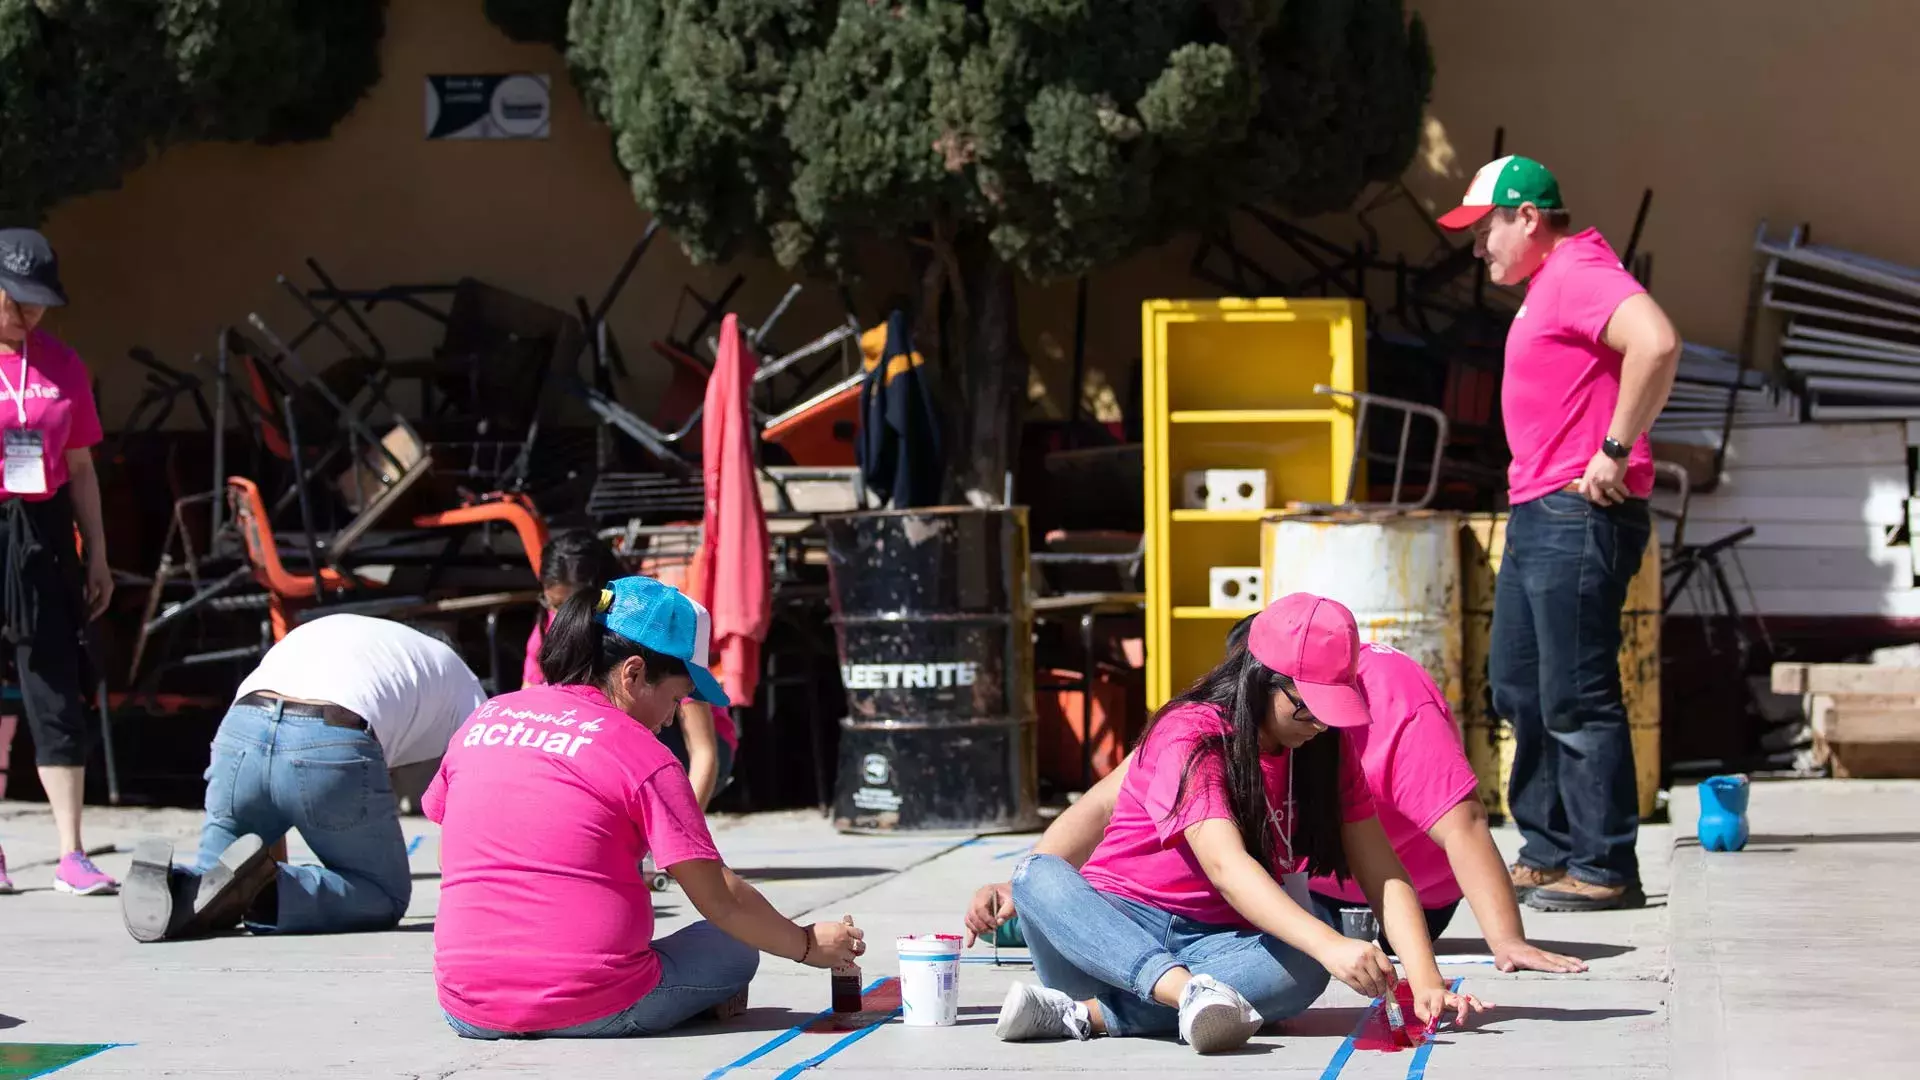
[285, 589]
[513, 508]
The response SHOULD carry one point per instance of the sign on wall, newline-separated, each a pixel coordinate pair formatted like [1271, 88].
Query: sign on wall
[488, 106]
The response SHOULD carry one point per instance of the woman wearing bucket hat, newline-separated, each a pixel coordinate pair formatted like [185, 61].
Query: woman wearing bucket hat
[1229, 802]
[549, 798]
[50, 427]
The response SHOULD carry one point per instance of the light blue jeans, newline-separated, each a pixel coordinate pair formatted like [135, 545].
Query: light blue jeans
[1091, 945]
[700, 967]
[271, 773]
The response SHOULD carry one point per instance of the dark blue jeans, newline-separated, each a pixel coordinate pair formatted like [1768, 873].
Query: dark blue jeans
[1555, 671]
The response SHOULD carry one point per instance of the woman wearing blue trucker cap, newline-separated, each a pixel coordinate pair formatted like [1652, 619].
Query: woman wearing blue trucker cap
[548, 800]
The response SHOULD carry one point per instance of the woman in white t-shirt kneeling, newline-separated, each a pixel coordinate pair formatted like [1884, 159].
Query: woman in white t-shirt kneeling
[308, 744]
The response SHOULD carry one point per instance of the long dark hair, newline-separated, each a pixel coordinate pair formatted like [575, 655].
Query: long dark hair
[578, 651]
[1241, 688]
[580, 560]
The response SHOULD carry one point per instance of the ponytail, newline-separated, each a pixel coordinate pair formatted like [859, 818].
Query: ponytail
[578, 651]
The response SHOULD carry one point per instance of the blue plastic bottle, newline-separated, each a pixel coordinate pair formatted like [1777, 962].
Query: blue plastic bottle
[1723, 813]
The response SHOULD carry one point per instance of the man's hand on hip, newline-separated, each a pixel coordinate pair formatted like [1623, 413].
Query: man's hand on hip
[1605, 481]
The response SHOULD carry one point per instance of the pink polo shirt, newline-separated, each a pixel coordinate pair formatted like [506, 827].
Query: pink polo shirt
[58, 399]
[1144, 855]
[531, 675]
[1562, 382]
[548, 798]
[1416, 771]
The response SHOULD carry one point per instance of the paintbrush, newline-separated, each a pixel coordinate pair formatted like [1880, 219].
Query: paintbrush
[993, 914]
[1396, 1023]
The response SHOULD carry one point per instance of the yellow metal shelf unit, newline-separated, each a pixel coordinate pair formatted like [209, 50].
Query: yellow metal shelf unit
[1229, 385]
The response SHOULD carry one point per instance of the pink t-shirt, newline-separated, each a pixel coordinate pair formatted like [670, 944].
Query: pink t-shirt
[1562, 383]
[1144, 855]
[548, 799]
[1416, 771]
[531, 675]
[58, 398]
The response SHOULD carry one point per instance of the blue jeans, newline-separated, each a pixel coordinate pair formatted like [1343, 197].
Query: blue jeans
[1091, 945]
[1555, 673]
[700, 967]
[271, 773]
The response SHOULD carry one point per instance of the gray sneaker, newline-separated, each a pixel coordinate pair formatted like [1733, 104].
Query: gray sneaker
[1035, 1012]
[1214, 1018]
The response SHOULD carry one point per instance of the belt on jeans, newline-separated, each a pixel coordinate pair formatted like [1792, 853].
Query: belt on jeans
[330, 715]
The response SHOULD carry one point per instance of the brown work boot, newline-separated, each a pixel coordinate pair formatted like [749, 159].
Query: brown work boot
[1526, 879]
[1572, 894]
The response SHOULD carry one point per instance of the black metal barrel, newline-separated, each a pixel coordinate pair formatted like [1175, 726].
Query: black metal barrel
[936, 653]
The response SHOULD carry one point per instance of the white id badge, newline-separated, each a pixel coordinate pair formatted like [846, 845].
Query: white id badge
[26, 462]
[1295, 885]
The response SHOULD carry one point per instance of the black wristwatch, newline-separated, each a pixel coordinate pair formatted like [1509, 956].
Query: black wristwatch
[1614, 449]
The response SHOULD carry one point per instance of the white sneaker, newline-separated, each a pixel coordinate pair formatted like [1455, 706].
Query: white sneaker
[1035, 1012]
[1214, 1017]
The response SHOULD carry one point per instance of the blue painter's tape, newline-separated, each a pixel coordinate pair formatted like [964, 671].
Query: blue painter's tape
[844, 1042]
[1417, 1068]
[1345, 1050]
[413, 845]
[781, 1039]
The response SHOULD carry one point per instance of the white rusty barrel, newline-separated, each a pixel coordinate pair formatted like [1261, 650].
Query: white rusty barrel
[1399, 573]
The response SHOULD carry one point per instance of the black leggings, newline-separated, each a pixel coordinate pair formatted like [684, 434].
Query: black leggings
[43, 621]
[1329, 908]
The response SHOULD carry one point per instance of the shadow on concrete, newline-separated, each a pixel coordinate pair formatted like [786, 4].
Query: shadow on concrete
[1319, 1023]
[1584, 950]
[9, 1021]
[1499, 1015]
[1762, 847]
[426, 875]
[413, 928]
[808, 873]
[757, 1019]
[1847, 838]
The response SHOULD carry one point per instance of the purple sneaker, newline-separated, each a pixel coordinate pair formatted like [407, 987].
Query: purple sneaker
[78, 875]
[6, 883]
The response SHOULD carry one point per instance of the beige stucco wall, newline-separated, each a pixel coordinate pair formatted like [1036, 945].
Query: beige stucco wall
[1732, 110]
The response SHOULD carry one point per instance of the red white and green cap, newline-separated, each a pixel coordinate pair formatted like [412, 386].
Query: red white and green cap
[1507, 181]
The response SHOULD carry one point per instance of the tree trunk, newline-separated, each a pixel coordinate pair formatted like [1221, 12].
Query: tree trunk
[983, 367]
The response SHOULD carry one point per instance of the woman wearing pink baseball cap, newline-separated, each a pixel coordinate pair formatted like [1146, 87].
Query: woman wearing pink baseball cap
[1228, 804]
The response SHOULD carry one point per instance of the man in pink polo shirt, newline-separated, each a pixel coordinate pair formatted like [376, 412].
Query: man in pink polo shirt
[1590, 360]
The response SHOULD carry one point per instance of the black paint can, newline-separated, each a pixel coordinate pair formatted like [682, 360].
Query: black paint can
[936, 653]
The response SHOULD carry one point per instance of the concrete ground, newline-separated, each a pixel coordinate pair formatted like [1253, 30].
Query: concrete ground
[1774, 962]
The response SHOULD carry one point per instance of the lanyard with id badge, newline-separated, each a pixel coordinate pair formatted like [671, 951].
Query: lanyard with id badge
[1294, 882]
[25, 472]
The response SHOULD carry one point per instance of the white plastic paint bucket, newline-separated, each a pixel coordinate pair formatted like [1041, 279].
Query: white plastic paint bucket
[929, 979]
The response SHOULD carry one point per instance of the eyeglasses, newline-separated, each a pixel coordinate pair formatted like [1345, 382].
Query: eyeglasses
[1301, 714]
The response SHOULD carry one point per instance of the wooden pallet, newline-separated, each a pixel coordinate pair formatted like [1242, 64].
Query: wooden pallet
[1865, 717]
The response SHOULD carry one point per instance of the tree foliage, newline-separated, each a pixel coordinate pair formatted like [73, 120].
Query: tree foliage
[89, 88]
[1038, 138]
[1064, 133]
